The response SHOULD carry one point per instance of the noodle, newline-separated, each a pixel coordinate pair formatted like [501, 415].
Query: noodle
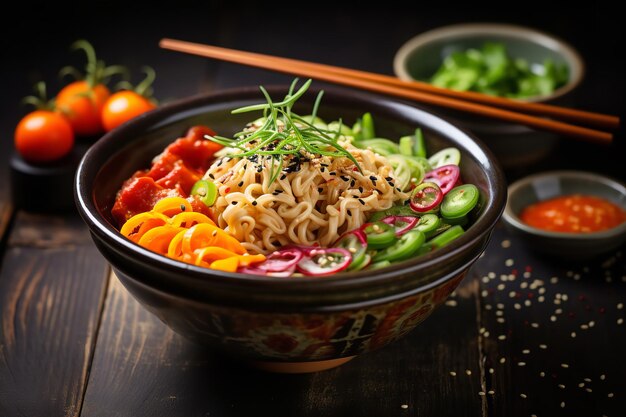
[314, 200]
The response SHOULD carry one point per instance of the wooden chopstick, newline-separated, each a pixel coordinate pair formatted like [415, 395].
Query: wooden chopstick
[357, 79]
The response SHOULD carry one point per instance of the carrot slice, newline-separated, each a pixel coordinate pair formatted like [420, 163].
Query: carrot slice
[158, 239]
[203, 235]
[171, 206]
[132, 229]
[175, 248]
[228, 264]
[188, 219]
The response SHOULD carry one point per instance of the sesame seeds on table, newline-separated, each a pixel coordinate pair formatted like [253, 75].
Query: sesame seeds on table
[552, 335]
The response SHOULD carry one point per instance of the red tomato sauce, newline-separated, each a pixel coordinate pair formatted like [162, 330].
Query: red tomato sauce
[574, 214]
[173, 174]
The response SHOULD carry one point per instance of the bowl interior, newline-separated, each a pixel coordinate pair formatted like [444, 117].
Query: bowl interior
[421, 56]
[131, 147]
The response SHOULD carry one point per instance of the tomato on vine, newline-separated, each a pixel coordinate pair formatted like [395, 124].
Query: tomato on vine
[44, 135]
[129, 103]
[82, 101]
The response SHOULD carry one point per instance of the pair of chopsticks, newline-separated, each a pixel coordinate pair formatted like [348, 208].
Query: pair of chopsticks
[534, 115]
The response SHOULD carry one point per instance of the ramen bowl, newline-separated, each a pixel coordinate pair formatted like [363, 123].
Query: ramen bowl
[299, 324]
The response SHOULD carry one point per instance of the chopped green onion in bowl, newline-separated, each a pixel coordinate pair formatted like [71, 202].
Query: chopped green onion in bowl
[490, 70]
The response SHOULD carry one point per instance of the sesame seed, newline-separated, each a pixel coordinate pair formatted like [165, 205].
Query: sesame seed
[610, 395]
[491, 370]
[521, 363]
[602, 377]
[587, 379]
[562, 404]
[564, 365]
[552, 318]
[404, 406]
[254, 203]
[588, 390]
[523, 396]
[501, 287]
[582, 384]
[509, 262]
[502, 337]
[234, 203]
[451, 303]
[526, 351]
[500, 306]
[542, 374]
[542, 346]
[452, 373]
[517, 306]
[481, 393]
[361, 201]
[468, 372]
[500, 320]
[561, 386]
[491, 392]
[573, 334]
[502, 360]
[620, 321]
[620, 306]
[506, 243]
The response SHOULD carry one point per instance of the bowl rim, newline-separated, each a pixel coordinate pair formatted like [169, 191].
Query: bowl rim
[511, 218]
[88, 171]
[571, 55]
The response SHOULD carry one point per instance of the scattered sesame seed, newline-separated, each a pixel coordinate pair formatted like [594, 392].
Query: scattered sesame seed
[602, 377]
[562, 404]
[491, 275]
[214, 233]
[588, 390]
[491, 370]
[542, 374]
[561, 386]
[527, 303]
[564, 365]
[491, 392]
[541, 298]
[573, 334]
[526, 351]
[521, 363]
[481, 393]
[404, 406]
[552, 318]
[506, 243]
[582, 384]
[512, 294]
[502, 360]
[610, 395]
[500, 320]
[501, 287]
[534, 325]
[500, 306]
[509, 262]
[592, 323]
[584, 326]
[517, 306]
[451, 303]
[554, 280]
[542, 346]
[499, 313]
[254, 203]
[523, 395]
[484, 293]
[452, 373]
[502, 337]
[620, 321]
[468, 372]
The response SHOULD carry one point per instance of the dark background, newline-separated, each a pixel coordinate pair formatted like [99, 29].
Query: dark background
[357, 36]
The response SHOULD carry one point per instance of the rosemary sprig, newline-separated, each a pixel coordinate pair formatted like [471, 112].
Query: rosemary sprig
[284, 133]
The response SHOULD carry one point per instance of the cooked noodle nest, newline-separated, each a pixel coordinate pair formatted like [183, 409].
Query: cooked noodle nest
[314, 199]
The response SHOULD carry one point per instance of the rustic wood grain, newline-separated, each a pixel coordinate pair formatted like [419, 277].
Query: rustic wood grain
[52, 285]
[141, 368]
[556, 348]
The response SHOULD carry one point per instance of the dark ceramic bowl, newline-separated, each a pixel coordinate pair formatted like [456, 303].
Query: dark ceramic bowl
[514, 145]
[319, 321]
[571, 246]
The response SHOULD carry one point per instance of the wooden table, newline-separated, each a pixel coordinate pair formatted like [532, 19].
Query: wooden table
[523, 335]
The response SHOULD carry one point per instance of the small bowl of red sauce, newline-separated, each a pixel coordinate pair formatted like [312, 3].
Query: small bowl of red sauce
[569, 214]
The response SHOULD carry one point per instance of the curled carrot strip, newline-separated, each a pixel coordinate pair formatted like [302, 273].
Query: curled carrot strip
[188, 219]
[158, 239]
[171, 206]
[203, 235]
[228, 264]
[173, 229]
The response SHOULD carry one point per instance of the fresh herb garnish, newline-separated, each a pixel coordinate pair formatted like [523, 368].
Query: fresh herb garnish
[283, 132]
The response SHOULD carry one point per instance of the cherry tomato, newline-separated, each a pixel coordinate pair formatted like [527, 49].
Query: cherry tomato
[43, 136]
[123, 106]
[83, 106]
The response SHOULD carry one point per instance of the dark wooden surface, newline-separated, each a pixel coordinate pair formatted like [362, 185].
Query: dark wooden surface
[73, 342]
